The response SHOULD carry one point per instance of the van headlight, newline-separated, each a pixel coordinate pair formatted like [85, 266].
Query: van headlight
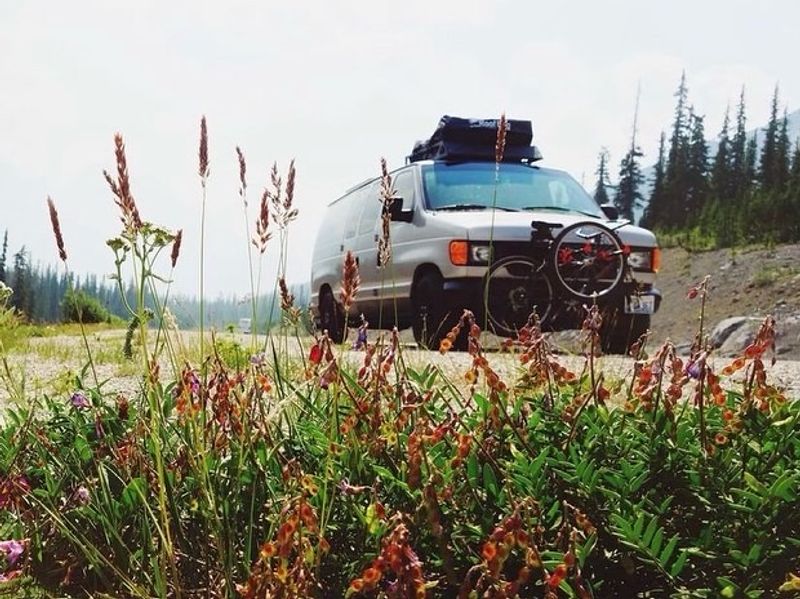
[479, 253]
[645, 260]
[467, 253]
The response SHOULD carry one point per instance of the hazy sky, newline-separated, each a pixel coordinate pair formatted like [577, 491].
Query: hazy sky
[337, 85]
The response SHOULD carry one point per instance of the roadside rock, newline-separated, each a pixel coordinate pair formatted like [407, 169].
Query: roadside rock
[732, 335]
[726, 328]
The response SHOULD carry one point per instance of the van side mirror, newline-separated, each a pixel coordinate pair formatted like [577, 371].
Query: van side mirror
[396, 212]
[611, 211]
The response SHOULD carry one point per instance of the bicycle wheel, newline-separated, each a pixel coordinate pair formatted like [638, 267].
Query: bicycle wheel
[588, 260]
[517, 286]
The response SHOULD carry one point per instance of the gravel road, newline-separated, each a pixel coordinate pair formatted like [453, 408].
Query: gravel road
[50, 364]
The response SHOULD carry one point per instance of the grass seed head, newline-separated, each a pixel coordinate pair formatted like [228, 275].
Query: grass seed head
[203, 170]
[500, 144]
[62, 252]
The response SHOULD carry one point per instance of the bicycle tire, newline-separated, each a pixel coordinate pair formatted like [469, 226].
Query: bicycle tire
[516, 287]
[587, 260]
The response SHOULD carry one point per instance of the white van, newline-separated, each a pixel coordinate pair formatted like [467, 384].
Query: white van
[463, 230]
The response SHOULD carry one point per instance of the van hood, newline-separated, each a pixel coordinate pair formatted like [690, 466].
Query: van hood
[516, 226]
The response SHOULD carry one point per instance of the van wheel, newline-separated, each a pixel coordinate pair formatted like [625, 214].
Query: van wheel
[331, 317]
[622, 331]
[432, 320]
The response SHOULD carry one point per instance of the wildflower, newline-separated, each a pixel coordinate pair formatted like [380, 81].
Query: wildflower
[263, 383]
[82, 496]
[371, 576]
[361, 337]
[79, 400]
[692, 293]
[315, 355]
[695, 368]
[12, 550]
[258, 359]
[720, 439]
[489, 551]
[267, 550]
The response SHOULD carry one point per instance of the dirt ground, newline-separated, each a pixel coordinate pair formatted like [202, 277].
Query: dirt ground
[753, 282]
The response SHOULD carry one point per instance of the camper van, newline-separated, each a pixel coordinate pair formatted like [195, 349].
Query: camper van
[470, 232]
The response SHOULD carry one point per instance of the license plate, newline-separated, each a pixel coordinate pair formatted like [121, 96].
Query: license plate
[640, 304]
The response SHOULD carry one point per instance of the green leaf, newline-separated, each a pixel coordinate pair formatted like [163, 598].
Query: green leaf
[677, 567]
[133, 493]
[490, 480]
[650, 531]
[658, 538]
[472, 469]
[666, 554]
[754, 484]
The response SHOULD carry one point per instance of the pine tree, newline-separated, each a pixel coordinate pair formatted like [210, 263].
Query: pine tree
[721, 183]
[653, 213]
[750, 157]
[3, 255]
[675, 179]
[782, 154]
[22, 299]
[628, 195]
[600, 189]
[794, 175]
[696, 170]
[739, 175]
[768, 166]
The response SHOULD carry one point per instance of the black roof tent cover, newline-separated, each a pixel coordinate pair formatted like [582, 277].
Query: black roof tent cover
[459, 140]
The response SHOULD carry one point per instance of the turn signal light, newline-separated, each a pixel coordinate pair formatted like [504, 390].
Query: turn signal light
[459, 253]
[655, 261]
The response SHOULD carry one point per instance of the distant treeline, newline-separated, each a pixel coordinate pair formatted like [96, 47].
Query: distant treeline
[747, 192]
[44, 294]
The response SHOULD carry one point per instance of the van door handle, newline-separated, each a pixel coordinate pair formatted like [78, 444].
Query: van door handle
[341, 248]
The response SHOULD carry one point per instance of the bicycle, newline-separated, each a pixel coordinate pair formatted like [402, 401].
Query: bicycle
[584, 262]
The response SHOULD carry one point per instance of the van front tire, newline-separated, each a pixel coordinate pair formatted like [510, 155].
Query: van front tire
[331, 317]
[432, 318]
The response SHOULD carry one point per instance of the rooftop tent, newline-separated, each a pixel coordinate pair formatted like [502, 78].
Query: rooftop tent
[457, 139]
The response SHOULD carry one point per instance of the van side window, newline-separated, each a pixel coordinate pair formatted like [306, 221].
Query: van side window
[404, 188]
[355, 203]
[372, 209]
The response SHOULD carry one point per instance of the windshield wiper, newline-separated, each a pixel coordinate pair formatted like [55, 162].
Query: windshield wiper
[474, 207]
[562, 209]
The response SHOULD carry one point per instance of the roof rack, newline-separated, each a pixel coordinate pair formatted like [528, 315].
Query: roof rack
[458, 140]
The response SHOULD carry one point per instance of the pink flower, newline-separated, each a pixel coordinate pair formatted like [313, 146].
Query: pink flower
[12, 550]
[82, 496]
[79, 400]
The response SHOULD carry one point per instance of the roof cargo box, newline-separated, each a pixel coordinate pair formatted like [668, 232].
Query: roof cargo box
[457, 139]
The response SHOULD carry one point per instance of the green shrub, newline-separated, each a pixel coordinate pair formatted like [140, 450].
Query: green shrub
[78, 306]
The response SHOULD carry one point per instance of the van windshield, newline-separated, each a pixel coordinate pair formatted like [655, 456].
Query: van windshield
[471, 186]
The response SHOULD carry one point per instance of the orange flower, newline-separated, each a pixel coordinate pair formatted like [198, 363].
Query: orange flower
[371, 577]
[489, 551]
[720, 439]
[469, 376]
[752, 351]
[445, 345]
[268, 550]
[263, 383]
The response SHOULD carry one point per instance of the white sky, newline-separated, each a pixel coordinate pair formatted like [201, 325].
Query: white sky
[336, 85]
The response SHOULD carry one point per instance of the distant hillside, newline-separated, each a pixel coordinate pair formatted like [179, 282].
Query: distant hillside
[793, 121]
